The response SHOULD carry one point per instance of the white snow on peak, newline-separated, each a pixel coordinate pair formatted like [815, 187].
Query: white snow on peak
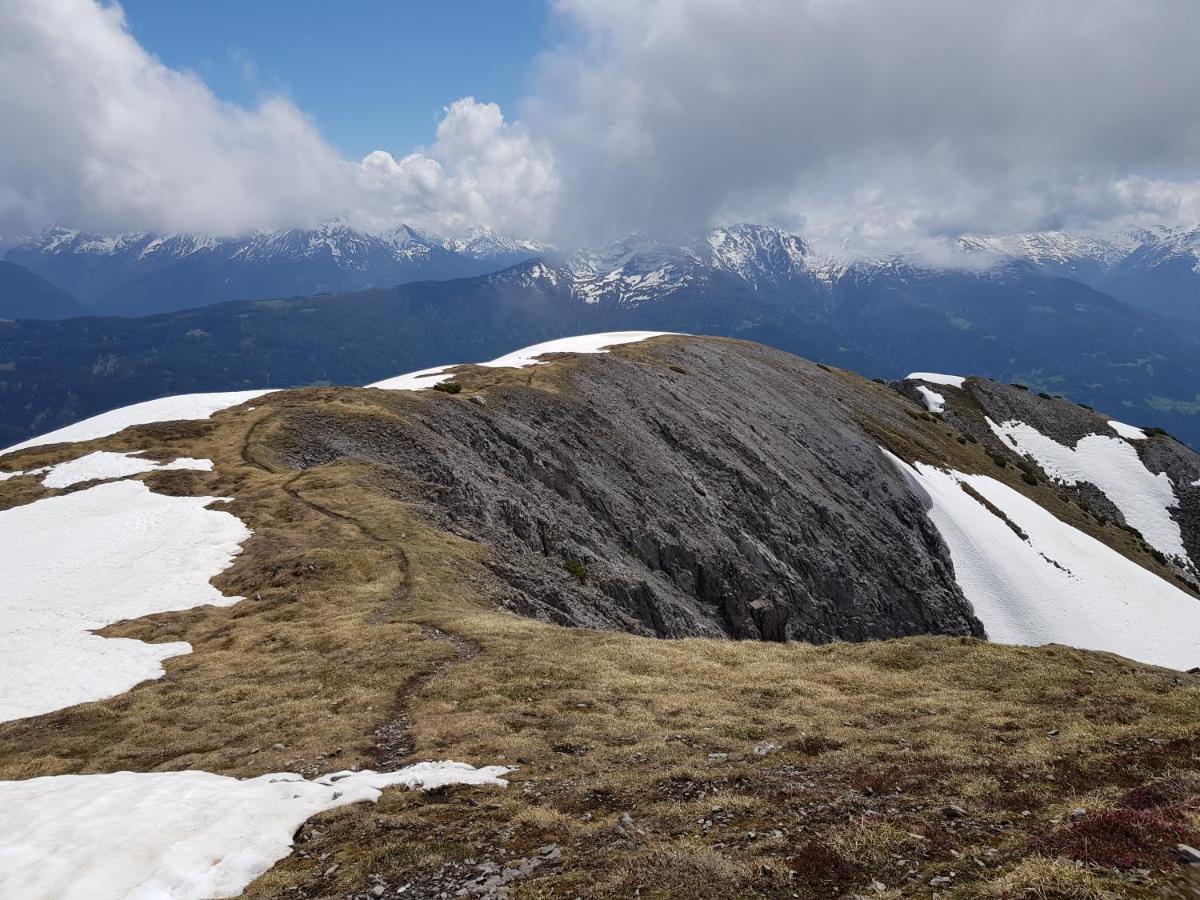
[1058, 585]
[518, 359]
[77, 562]
[934, 402]
[644, 267]
[1112, 465]
[935, 378]
[175, 835]
[103, 465]
[1129, 432]
[164, 409]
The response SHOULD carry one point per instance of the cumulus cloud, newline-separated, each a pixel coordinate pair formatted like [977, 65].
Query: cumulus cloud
[875, 120]
[865, 122]
[100, 134]
[480, 171]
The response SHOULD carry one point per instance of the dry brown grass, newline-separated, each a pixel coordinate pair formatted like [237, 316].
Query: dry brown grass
[343, 581]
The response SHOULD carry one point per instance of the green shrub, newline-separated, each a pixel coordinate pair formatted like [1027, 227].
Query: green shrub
[998, 459]
[1019, 386]
[1044, 395]
[577, 569]
[448, 387]
[1029, 478]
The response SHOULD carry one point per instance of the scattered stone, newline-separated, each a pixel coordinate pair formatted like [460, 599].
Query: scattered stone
[718, 757]
[940, 881]
[625, 825]
[1188, 855]
[766, 748]
[1078, 813]
[954, 812]
[278, 746]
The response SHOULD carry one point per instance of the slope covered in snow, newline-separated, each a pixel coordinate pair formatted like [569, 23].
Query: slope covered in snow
[1111, 464]
[164, 409]
[518, 359]
[935, 378]
[103, 465]
[1052, 583]
[80, 561]
[934, 402]
[175, 835]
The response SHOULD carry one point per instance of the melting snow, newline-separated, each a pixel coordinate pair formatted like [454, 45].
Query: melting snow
[164, 409]
[518, 359]
[1129, 432]
[175, 835]
[935, 378]
[934, 402]
[1059, 586]
[1113, 466]
[81, 561]
[105, 465]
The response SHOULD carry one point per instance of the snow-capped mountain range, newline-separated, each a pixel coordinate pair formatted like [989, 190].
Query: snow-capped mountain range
[1157, 269]
[644, 267]
[144, 272]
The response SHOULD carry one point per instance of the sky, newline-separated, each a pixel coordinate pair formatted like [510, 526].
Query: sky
[854, 122]
[372, 74]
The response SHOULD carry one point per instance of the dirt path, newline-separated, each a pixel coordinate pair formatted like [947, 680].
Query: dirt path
[393, 739]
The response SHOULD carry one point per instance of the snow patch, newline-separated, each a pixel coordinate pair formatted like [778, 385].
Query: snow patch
[80, 561]
[164, 409]
[1129, 432]
[935, 378]
[175, 835]
[1057, 586]
[103, 465]
[934, 402]
[1112, 465]
[519, 359]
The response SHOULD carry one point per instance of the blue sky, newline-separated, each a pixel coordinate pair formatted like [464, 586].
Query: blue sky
[373, 74]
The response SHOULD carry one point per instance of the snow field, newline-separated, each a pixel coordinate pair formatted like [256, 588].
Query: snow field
[103, 465]
[175, 835]
[164, 409]
[934, 402]
[519, 359]
[78, 562]
[1112, 465]
[935, 378]
[1059, 586]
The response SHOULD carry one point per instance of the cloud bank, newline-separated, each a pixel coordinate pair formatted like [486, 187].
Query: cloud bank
[99, 134]
[865, 121]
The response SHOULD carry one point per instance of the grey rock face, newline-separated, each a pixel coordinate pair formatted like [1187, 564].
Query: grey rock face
[732, 495]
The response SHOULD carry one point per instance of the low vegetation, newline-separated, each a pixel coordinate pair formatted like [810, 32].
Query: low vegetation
[642, 768]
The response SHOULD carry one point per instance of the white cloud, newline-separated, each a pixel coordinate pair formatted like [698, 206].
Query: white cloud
[100, 134]
[481, 170]
[866, 121]
[872, 119]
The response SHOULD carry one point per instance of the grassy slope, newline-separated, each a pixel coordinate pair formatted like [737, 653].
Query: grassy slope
[341, 656]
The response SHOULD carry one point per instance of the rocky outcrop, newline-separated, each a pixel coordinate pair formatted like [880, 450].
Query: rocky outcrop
[682, 487]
